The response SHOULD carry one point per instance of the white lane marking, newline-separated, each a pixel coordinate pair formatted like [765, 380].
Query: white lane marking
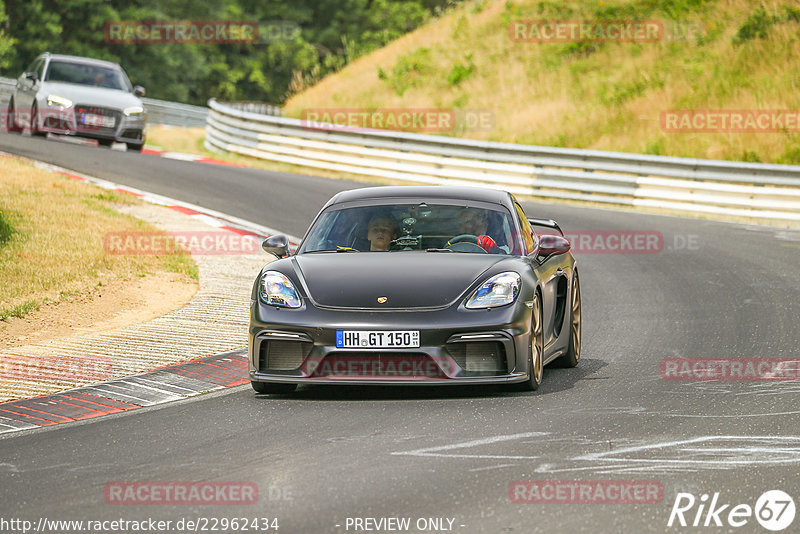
[437, 451]
[546, 468]
[617, 468]
[762, 457]
[490, 467]
[768, 414]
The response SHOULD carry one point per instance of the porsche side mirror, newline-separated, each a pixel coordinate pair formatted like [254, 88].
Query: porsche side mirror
[551, 245]
[277, 245]
[138, 90]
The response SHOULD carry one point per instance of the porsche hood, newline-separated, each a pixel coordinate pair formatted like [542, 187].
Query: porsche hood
[403, 279]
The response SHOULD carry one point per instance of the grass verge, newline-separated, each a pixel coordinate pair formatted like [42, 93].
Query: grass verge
[52, 232]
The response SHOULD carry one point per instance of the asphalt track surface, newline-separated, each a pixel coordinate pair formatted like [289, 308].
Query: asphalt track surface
[324, 455]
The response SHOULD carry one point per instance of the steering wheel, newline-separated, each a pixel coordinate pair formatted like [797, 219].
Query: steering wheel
[465, 243]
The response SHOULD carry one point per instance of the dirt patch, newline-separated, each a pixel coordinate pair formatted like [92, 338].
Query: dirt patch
[116, 303]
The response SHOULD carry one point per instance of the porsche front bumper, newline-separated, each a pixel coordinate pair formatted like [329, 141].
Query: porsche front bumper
[457, 346]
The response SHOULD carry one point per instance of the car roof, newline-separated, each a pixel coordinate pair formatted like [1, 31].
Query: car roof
[481, 194]
[81, 59]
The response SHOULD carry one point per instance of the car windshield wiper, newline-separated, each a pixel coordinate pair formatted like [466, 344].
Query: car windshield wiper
[332, 250]
[439, 250]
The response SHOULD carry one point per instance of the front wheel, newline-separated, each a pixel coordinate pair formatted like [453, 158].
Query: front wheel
[135, 147]
[268, 387]
[573, 355]
[35, 131]
[536, 351]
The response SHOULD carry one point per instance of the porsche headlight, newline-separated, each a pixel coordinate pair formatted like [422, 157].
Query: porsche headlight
[499, 290]
[55, 100]
[133, 110]
[277, 290]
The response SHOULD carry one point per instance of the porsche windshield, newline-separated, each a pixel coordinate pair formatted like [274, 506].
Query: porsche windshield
[406, 227]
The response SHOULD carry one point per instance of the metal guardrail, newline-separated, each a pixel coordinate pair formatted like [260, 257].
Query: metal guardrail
[753, 190]
[158, 111]
[259, 108]
[174, 114]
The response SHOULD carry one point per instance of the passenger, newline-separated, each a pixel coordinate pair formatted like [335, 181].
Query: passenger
[475, 222]
[382, 229]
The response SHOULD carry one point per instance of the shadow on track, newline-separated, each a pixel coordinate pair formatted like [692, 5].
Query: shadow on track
[555, 380]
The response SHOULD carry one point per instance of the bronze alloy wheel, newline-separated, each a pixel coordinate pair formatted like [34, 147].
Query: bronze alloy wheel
[573, 354]
[536, 351]
[576, 318]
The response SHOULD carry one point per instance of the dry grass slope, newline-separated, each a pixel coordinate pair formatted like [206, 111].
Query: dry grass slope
[718, 54]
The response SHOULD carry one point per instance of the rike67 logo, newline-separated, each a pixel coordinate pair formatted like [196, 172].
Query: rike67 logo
[774, 510]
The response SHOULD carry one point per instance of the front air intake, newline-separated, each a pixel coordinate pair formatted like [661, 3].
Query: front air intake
[282, 355]
[480, 356]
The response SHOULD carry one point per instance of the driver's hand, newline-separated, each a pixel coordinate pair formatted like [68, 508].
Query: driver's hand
[487, 243]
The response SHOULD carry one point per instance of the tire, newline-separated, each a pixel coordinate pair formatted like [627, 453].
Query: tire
[13, 127]
[535, 351]
[134, 147]
[35, 132]
[268, 387]
[573, 355]
[105, 142]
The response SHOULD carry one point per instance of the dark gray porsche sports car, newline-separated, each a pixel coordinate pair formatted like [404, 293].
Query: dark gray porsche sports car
[419, 285]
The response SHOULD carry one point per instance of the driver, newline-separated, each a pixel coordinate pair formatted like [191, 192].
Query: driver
[382, 229]
[475, 222]
[99, 79]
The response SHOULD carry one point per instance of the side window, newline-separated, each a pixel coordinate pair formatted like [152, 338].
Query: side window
[40, 69]
[527, 232]
[36, 67]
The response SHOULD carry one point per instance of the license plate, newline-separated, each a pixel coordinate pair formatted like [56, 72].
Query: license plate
[91, 119]
[377, 339]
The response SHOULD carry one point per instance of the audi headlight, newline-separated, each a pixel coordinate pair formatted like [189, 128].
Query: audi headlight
[499, 290]
[277, 290]
[55, 100]
[133, 110]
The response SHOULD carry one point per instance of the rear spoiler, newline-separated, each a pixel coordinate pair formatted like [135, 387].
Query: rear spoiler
[546, 223]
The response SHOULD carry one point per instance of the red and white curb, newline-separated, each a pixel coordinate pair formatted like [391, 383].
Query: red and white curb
[153, 151]
[167, 384]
